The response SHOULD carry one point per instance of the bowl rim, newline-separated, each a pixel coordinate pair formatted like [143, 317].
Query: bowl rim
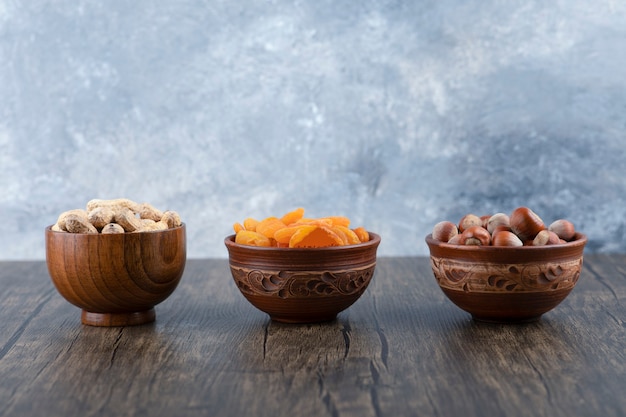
[580, 240]
[507, 254]
[375, 239]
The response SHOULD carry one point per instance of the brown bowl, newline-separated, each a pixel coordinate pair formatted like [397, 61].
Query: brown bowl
[304, 285]
[507, 284]
[116, 279]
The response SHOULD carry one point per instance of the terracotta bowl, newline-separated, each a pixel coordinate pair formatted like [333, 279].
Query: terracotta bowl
[507, 284]
[302, 285]
[116, 279]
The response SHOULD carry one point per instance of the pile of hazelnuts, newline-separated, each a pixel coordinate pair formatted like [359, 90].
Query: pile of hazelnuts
[522, 228]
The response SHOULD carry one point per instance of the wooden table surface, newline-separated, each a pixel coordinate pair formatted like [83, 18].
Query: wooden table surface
[402, 349]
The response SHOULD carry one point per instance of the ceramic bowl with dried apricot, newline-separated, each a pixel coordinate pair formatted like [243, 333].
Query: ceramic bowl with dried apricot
[506, 268]
[301, 270]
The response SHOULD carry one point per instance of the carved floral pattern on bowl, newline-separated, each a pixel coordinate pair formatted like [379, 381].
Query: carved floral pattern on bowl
[488, 277]
[290, 284]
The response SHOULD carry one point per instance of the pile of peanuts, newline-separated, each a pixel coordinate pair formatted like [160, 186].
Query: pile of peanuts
[522, 228]
[116, 216]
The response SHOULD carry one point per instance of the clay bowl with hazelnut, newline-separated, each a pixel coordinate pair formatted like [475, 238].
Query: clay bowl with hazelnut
[116, 279]
[514, 281]
[302, 285]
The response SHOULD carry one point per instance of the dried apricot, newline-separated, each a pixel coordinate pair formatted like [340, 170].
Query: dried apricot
[317, 222]
[283, 236]
[312, 236]
[269, 226]
[296, 231]
[339, 220]
[293, 216]
[250, 224]
[363, 235]
[351, 237]
[248, 237]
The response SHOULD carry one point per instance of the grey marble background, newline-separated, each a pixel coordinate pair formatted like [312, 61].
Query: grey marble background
[397, 114]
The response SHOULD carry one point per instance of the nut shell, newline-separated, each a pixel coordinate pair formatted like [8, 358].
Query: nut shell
[546, 237]
[563, 228]
[525, 223]
[506, 238]
[476, 235]
[456, 240]
[469, 220]
[444, 231]
[498, 219]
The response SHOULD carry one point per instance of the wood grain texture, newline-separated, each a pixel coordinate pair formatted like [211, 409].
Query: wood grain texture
[402, 349]
[116, 279]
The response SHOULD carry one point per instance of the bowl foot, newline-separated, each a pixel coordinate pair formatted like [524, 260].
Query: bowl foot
[303, 320]
[118, 319]
[499, 320]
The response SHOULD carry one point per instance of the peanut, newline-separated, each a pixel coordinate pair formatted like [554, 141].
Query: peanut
[149, 225]
[101, 216]
[171, 218]
[75, 223]
[126, 218]
[114, 204]
[147, 211]
[63, 216]
[116, 216]
[112, 228]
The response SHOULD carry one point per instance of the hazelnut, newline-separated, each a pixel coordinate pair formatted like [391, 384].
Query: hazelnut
[563, 228]
[456, 240]
[484, 220]
[468, 221]
[475, 235]
[546, 237]
[525, 223]
[498, 219]
[506, 238]
[499, 229]
[444, 231]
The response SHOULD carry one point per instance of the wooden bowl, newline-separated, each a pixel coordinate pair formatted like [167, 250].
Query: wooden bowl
[507, 284]
[302, 285]
[116, 279]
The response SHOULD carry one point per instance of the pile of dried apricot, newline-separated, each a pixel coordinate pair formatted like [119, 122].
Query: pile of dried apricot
[522, 228]
[293, 230]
